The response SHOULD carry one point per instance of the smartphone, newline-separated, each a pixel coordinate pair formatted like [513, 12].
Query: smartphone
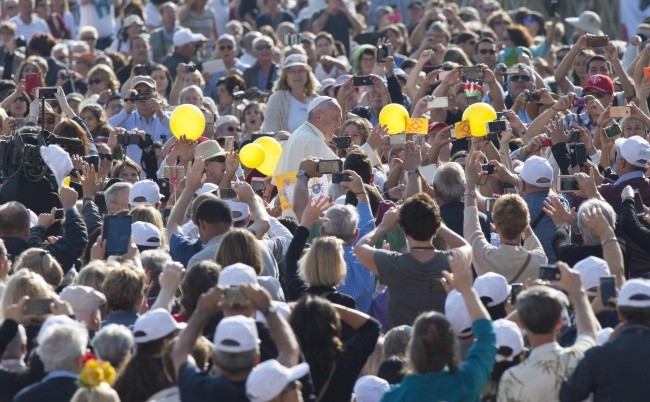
[330, 166]
[229, 144]
[117, 233]
[234, 295]
[574, 137]
[612, 131]
[638, 203]
[472, 73]
[452, 134]
[607, 290]
[500, 115]
[487, 167]
[177, 172]
[33, 81]
[549, 273]
[257, 183]
[597, 41]
[226, 193]
[489, 204]
[443, 74]
[441, 102]
[362, 81]
[579, 102]
[339, 177]
[59, 214]
[141, 69]
[47, 92]
[619, 111]
[566, 184]
[37, 306]
[515, 289]
[128, 139]
[343, 142]
[290, 39]
[547, 142]
[383, 51]
[533, 97]
[578, 153]
[498, 126]
[394, 18]
[397, 139]
[429, 69]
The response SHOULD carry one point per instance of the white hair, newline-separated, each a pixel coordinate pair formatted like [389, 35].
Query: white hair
[113, 343]
[343, 221]
[63, 346]
[588, 237]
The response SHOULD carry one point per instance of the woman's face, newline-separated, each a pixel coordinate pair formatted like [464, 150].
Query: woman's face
[224, 97]
[634, 127]
[161, 80]
[324, 47]
[90, 120]
[97, 84]
[297, 78]
[253, 119]
[113, 107]
[395, 40]
[580, 65]
[191, 79]
[193, 98]
[29, 69]
[134, 30]
[129, 175]
[352, 131]
[18, 107]
[367, 63]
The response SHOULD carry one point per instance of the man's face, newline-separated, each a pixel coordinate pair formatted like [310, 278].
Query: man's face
[374, 97]
[227, 50]
[25, 6]
[228, 130]
[263, 50]
[6, 35]
[10, 9]
[603, 97]
[215, 169]
[144, 106]
[330, 120]
[120, 204]
[598, 67]
[519, 82]
[168, 15]
[90, 39]
[139, 51]
[487, 53]
[415, 13]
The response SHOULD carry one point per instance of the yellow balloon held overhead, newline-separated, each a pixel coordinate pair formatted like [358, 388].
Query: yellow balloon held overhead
[251, 155]
[395, 117]
[272, 151]
[187, 122]
[478, 115]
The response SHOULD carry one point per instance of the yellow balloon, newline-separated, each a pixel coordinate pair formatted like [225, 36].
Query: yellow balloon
[251, 155]
[478, 115]
[187, 122]
[395, 117]
[272, 150]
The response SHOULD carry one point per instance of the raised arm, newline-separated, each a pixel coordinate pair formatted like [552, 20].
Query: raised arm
[193, 181]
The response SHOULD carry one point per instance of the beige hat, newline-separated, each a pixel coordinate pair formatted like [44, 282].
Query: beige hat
[209, 149]
[82, 298]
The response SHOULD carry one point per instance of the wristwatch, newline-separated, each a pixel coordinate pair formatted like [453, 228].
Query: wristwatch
[271, 310]
[414, 171]
[302, 173]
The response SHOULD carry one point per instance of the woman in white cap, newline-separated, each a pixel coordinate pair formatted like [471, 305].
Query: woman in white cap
[296, 87]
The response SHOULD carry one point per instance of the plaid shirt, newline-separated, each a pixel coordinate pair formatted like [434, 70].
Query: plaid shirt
[359, 282]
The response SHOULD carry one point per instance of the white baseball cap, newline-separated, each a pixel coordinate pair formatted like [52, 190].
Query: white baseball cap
[494, 286]
[603, 335]
[184, 36]
[238, 274]
[317, 102]
[154, 324]
[82, 298]
[370, 388]
[508, 335]
[236, 334]
[238, 210]
[206, 188]
[590, 270]
[458, 315]
[268, 379]
[536, 171]
[635, 293]
[634, 150]
[145, 234]
[144, 192]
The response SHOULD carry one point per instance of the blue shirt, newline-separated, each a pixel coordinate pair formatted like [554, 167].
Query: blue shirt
[156, 127]
[359, 282]
[463, 385]
[198, 386]
[211, 88]
[182, 248]
[545, 229]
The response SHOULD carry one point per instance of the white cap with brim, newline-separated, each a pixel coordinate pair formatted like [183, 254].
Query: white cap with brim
[155, 324]
[269, 379]
[591, 269]
[184, 36]
[370, 388]
[236, 334]
[635, 293]
[458, 315]
[508, 335]
[635, 150]
[536, 171]
[238, 274]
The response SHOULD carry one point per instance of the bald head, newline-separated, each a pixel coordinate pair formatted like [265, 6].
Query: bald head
[14, 220]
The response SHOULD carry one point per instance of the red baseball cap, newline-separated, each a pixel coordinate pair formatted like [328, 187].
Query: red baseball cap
[600, 83]
[438, 125]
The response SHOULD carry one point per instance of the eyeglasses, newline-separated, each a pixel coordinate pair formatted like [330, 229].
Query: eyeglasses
[487, 51]
[515, 78]
[232, 129]
[500, 23]
[263, 47]
[93, 82]
[228, 47]
[88, 38]
[108, 157]
[21, 99]
[220, 159]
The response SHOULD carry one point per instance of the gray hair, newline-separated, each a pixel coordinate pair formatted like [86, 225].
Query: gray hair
[396, 341]
[154, 260]
[62, 346]
[449, 181]
[343, 221]
[114, 191]
[263, 38]
[588, 237]
[236, 362]
[190, 88]
[113, 344]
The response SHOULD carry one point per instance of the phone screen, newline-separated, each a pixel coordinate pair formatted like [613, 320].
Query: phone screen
[37, 306]
[638, 203]
[331, 166]
[549, 272]
[33, 81]
[117, 233]
[607, 290]
[497, 126]
[567, 184]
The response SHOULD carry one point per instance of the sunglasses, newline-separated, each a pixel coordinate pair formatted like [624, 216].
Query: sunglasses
[93, 82]
[515, 78]
[487, 51]
[21, 99]
[108, 157]
[263, 47]
[220, 159]
[228, 47]
[500, 23]
[232, 129]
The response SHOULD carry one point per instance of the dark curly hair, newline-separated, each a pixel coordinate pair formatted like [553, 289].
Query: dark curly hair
[420, 217]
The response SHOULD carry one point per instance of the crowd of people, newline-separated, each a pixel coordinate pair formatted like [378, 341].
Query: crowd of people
[505, 261]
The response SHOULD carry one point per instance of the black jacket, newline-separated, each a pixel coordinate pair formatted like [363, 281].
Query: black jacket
[59, 389]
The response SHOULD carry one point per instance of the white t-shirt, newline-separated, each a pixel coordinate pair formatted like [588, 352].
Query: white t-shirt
[297, 114]
[105, 25]
[28, 30]
[152, 16]
[221, 14]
